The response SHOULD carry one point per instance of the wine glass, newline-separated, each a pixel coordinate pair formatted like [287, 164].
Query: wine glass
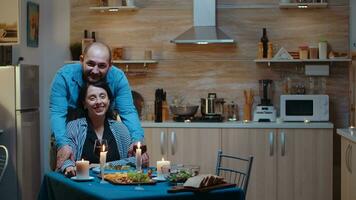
[101, 150]
[139, 187]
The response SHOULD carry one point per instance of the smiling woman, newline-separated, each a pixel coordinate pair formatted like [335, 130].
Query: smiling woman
[97, 124]
[9, 22]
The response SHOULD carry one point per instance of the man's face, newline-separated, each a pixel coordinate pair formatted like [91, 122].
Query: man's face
[95, 64]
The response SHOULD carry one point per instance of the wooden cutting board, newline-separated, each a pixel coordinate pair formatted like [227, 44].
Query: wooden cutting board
[176, 189]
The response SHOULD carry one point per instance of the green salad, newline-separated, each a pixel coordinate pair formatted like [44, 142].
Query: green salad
[180, 176]
[138, 177]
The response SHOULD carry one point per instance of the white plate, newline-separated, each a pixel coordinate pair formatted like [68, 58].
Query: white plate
[159, 178]
[75, 178]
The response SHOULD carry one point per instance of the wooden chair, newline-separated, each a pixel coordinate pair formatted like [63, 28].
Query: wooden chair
[4, 159]
[234, 169]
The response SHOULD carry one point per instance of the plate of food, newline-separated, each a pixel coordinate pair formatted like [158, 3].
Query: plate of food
[129, 178]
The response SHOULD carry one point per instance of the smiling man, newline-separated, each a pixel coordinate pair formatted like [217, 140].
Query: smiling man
[95, 65]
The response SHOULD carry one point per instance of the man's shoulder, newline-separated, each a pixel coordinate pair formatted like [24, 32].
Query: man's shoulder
[70, 69]
[115, 74]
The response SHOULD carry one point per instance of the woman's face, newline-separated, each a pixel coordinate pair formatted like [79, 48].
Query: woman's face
[96, 101]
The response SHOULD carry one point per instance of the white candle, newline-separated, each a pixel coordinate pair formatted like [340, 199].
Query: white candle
[82, 168]
[138, 157]
[163, 167]
[103, 156]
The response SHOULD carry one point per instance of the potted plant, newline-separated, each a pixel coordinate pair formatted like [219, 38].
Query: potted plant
[76, 50]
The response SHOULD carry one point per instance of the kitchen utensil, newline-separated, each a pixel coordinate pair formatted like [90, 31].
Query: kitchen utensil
[248, 104]
[212, 105]
[184, 110]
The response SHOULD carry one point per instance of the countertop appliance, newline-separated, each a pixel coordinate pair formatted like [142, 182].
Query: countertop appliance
[304, 107]
[212, 108]
[19, 120]
[265, 111]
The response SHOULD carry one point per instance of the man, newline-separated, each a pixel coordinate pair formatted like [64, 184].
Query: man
[94, 65]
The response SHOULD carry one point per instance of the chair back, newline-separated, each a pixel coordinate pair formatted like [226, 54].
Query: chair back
[234, 169]
[4, 159]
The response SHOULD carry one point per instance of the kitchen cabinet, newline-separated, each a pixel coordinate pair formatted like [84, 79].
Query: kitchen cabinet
[188, 146]
[348, 169]
[293, 164]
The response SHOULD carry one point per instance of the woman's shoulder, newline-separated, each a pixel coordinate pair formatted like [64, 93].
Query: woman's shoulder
[77, 122]
[117, 125]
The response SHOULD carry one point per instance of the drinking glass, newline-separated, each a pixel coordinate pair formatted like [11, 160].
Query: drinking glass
[101, 145]
[139, 187]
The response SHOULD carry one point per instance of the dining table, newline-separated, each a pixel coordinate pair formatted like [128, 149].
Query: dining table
[56, 186]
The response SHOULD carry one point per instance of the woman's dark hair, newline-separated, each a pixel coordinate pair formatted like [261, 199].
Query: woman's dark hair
[110, 114]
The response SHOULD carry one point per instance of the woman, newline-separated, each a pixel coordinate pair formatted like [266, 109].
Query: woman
[98, 123]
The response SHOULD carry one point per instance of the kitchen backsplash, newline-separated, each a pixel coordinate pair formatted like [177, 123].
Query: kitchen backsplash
[193, 71]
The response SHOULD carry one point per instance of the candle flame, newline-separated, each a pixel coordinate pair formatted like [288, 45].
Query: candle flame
[162, 159]
[103, 147]
[82, 159]
[139, 145]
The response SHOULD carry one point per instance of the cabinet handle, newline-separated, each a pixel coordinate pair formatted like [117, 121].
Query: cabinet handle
[162, 143]
[347, 158]
[350, 158]
[271, 139]
[173, 142]
[283, 143]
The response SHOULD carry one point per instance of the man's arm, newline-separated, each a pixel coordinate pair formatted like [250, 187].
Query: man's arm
[58, 109]
[127, 111]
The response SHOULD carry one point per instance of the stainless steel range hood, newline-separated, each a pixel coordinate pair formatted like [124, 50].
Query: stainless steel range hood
[204, 30]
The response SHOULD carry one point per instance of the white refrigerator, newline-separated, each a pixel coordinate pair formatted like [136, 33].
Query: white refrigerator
[19, 120]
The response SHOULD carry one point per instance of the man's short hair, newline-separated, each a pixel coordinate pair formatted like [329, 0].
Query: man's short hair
[98, 44]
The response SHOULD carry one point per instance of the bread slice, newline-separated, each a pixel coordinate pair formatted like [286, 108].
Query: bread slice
[204, 180]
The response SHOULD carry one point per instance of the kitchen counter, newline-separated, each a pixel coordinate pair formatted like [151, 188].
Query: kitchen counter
[351, 135]
[237, 124]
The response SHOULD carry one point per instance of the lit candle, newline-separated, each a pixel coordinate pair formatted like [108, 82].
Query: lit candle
[103, 156]
[138, 157]
[82, 168]
[163, 167]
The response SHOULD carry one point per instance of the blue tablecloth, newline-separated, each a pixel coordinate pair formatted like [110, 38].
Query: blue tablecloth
[57, 186]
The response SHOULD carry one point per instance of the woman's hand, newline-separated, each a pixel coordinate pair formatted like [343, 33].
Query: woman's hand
[69, 171]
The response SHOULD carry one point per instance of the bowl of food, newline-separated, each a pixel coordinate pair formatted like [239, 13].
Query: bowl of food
[184, 110]
[179, 177]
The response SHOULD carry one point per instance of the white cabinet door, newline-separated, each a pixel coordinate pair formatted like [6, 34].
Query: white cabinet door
[157, 145]
[305, 164]
[345, 170]
[194, 146]
[260, 143]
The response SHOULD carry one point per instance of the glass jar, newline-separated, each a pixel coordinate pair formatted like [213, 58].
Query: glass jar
[303, 52]
[313, 52]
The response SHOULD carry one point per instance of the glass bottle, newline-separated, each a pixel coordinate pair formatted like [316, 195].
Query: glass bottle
[264, 40]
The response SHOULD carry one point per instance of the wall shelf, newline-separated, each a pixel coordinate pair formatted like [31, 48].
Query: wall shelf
[113, 8]
[269, 61]
[303, 5]
[126, 63]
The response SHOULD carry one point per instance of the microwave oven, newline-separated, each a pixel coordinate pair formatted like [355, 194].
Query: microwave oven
[304, 107]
